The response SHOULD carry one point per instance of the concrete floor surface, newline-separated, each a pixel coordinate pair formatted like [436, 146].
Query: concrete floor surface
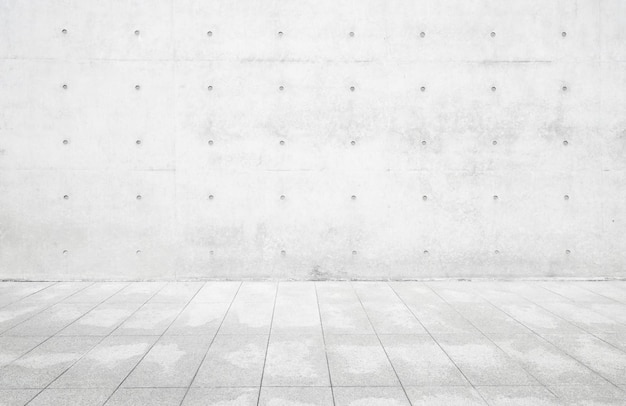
[313, 343]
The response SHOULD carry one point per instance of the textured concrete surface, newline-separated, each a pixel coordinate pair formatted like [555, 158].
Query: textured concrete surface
[190, 357]
[368, 139]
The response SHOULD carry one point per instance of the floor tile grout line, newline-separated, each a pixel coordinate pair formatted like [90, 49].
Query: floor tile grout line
[493, 342]
[193, 378]
[93, 308]
[560, 350]
[47, 308]
[576, 304]
[600, 294]
[572, 323]
[584, 331]
[381, 343]
[97, 343]
[29, 295]
[319, 312]
[269, 337]
[438, 344]
[569, 299]
[47, 339]
[76, 319]
[155, 341]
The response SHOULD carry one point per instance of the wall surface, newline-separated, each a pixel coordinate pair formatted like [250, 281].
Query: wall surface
[312, 139]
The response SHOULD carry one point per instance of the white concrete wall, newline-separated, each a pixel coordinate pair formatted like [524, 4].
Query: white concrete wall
[388, 143]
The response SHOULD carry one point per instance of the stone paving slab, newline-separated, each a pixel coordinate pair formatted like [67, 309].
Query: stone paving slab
[313, 343]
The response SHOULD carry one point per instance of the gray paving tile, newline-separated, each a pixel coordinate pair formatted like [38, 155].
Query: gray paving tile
[11, 348]
[359, 360]
[335, 293]
[482, 362]
[171, 362]
[546, 362]
[177, 292]
[150, 319]
[392, 317]
[370, 396]
[257, 292]
[444, 396]
[594, 353]
[50, 321]
[616, 340]
[378, 292]
[538, 319]
[441, 318]
[96, 293]
[455, 292]
[580, 315]
[296, 316]
[107, 364]
[233, 361]
[248, 318]
[145, 396]
[83, 397]
[489, 319]
[345, 318]
[296, 360]
[102, 320]
[137, 292]
[11, 292]
[292, 396]
[581, 395]
[222, 397]
[606, 289]
[415, 293]
[199, 319]
[419, 361]
[217, 292]
[16, 313]
[575, 293]
[55, 293]
[296, 309]
[16, 397]
[42, 365]
[518, 396]
[613, 311]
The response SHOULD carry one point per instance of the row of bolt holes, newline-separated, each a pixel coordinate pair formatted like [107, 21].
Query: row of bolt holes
[281, 142]
[284, 253]
[351, 33]
[283, 197]
[352, 88]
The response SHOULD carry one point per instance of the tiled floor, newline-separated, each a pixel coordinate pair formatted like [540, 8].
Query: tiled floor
[313, 343]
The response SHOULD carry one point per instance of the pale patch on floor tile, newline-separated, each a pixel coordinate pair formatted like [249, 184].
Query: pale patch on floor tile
[518, 396]
[145, 396]
[233, 361]
[295, 396]
[444, 396]
[16, 397]
[296, 360]
[222, 397]
[83, 397]
[370, 396]
[359, 360]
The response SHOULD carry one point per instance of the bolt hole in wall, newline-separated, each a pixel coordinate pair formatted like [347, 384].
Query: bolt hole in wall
[423, 130]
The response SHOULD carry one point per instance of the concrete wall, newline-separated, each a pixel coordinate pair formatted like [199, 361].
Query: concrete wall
[388, 145]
